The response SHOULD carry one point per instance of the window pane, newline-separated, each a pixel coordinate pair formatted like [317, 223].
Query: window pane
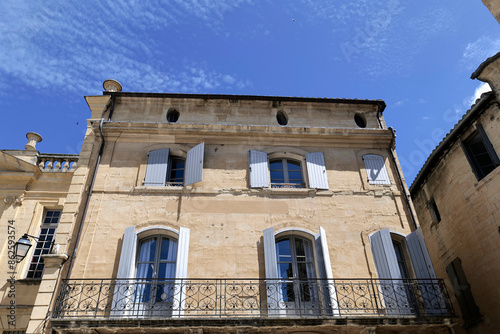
[144, 270]
[147, 250]
[276, 165]
[168, 250]
[285, 270]
[167, 270]
[283, 250]
[293, 165]
[277, 177]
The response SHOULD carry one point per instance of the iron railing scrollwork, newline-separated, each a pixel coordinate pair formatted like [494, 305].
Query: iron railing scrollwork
[150, 298]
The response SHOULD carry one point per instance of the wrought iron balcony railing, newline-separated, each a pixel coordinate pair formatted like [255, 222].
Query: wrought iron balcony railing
[147, 298]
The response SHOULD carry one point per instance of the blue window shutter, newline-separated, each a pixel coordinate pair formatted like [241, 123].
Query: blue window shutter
[194, 165]
[384, 255]
[182, 253]
[419, 255]
[316, 170]
[156, 171]
[325, 271]
[375, 169]
[258, 169]
[271, 265]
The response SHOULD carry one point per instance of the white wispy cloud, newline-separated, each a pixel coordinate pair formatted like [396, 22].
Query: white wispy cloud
[482, 88]
[478, 51]
[70, 46]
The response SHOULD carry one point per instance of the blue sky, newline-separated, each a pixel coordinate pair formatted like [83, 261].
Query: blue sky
[416, 56]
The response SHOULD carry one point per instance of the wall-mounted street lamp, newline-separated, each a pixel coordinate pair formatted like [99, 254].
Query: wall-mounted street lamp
[23, 246]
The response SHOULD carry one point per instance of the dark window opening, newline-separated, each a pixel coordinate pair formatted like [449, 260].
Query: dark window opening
[281, 118]
[480, 153]
[175, 174]
[436, 216]
[360, 120]
[285, 173]
[172, 115]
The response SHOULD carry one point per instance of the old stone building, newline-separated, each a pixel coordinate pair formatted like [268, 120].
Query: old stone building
[456, 196]
[220, 214]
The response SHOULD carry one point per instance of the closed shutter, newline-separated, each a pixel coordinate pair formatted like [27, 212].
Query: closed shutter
[271, 265]
[316, 170]
[156, 171]
[194, 165]
[375, 169]
[181, 271]
[125, 283]
[258, 169]
[325, 271]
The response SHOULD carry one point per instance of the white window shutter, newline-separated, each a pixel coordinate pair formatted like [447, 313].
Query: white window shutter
[325, 271]
[384, 255]
[316, 170]
[376, 170]
[125, 283]
[258, 169]
[181, 271]
[194, 165]
[126, 267]
[271, 265]
[156, 171]
[419, 255]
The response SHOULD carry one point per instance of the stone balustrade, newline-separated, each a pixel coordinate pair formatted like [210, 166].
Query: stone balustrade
[57, 162]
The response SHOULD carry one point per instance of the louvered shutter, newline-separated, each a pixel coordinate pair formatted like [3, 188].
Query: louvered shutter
[316, 170]
[194, 165]
[125, 282]
[325, 271]
[181, 271]
[395, 301]
[271, 265]
[430, 290]
[258, 169]
[156, 171]
[487, 144]
[375, 169]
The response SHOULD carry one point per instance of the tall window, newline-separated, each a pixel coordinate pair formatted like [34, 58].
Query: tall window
[295, 262]
[286, 173]
[156, 267]
[480, 153]
[44, 243]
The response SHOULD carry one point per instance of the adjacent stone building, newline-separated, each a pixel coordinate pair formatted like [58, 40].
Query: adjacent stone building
[225, 214]
[457, 199]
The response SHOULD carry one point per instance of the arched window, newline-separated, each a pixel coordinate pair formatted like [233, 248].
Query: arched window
[286, 173]
[294, 261]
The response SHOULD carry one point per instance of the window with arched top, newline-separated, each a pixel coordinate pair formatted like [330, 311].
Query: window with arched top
[298, 273]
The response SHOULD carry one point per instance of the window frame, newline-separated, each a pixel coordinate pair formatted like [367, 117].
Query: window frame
[479, 136]
[40, 244]
[434, 211]
[286, 173]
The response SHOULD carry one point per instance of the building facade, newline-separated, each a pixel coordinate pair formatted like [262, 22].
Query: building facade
[457, 202]
[221, 213]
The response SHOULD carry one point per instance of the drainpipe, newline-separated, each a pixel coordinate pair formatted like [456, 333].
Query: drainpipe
[400, 177]
[101, 149]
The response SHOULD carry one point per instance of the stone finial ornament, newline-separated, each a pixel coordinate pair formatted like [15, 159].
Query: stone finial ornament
[33, 138]
[111, 85]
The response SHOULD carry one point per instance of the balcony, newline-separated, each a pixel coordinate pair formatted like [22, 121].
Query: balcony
[200, 302]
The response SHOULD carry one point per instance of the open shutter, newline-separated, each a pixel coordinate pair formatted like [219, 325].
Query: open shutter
[325, 271]
[419, 255]
[194, 165]
[396, 301]
[181, 271]
[470, 160]
[375, 169]
[156, 171]
[316, 170]
[384, 255]
[491, 151]
[258, 169]
[430, 290]
[272, 288]
[125, 283]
